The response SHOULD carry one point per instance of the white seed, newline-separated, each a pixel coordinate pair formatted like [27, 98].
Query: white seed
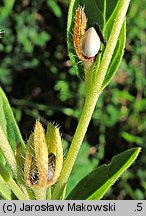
[90, 43]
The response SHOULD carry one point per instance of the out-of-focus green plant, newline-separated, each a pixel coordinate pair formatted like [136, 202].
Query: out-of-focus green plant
[43, 154]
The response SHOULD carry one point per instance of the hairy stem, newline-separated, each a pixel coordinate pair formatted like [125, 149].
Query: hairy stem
[91, 99]
[40, 193]
[76, 142]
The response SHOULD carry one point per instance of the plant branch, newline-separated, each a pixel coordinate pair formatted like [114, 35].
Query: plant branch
[76, 143]
[91, 100]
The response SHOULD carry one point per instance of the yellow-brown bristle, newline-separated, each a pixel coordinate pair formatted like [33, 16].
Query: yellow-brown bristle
[79, 29]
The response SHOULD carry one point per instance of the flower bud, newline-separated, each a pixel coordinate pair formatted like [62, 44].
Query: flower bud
[41, 153]
[90, 43]
[55, 153]
[44, 157]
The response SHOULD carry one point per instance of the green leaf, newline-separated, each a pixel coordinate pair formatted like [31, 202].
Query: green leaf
[97, 12]
[110, 21]
[133, 139]
[63, 193]
[55, 7]
[83, 166]
[119, 50]
[8, 123]
[104, 4]
[5, 191]
[6, 9]
[10, 184]
[4, 173]
[116, 58]
[70, 44]
[95, 185]
[48, 193]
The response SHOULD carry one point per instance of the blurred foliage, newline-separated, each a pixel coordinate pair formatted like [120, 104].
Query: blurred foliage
[37, 76]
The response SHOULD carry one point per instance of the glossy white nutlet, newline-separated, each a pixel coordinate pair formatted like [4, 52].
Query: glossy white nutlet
[90, 43]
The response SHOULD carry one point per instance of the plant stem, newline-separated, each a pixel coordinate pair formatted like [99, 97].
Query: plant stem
[40, 194]
[91, 99]
[85, 118]
[112, 41]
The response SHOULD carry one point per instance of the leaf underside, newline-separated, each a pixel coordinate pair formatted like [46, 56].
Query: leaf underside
[8, 124]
